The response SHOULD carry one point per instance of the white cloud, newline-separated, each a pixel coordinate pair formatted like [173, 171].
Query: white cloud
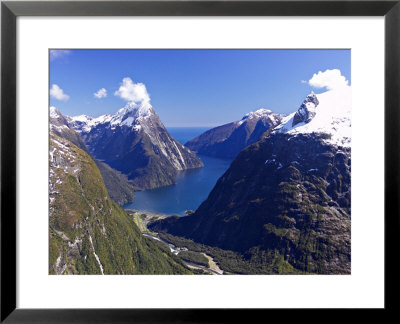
[101, 93]
[133, 92]
[58, 54]
[57, 93]
[330, 79]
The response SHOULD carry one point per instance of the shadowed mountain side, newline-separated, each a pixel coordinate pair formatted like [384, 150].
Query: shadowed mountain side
[228, 140]
[285, 200]
[279, 199]
[135, 142]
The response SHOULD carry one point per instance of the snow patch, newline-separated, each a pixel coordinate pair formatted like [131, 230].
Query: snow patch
[180, 154]
[96, 256]
[82, 118]
[128, 121]
[137, 128]
[54, 112]
[333, 118]
[127, 116]
[269, 161]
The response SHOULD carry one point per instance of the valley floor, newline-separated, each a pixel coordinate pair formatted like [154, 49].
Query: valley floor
[200, 262]
[205, 259]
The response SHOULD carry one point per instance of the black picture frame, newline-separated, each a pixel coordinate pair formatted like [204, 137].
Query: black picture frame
[10, 10]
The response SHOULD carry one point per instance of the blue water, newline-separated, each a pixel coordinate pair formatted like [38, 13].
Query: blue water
[192, 186]
[184, 134]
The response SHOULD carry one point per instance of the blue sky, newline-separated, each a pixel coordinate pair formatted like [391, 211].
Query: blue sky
[193, 87]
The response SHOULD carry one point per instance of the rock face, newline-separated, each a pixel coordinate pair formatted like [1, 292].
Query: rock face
[136, 143]
[306, 112]
[285, 200]
[59, 126]
[118, 187]
[228, 140]
[330, 117]
[89, 233]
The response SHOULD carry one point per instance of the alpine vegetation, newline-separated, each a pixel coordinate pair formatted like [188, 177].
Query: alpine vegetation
[117, 184]
[284, 204]
[203, 182]
[88, 232]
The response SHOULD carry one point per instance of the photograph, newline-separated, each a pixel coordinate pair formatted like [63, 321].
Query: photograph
[199, 161]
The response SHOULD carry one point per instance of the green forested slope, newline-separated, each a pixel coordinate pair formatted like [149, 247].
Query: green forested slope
[89, 232]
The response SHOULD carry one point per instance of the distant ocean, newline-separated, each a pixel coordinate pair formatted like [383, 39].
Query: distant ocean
[192, 187]
[185, 134]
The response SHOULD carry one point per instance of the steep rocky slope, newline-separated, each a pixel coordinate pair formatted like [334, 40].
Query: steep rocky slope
[228, 140]
[59, 125]
[89, 233]
[286, 199]
[118, 187]
[136, 143]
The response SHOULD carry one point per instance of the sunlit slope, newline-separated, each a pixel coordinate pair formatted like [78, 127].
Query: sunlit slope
[90, 233]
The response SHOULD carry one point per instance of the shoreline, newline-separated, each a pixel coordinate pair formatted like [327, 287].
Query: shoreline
[142, 218]
[156, 214]
[147, 213]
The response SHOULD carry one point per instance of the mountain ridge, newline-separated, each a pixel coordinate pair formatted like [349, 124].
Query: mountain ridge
[135, 142]
[88, 232]
[226, 141]
[286, 199]
[330, 116]
[118, 187]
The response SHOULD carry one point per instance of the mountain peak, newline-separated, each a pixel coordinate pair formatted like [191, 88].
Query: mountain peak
[257, 114]
[133, 109]
[307, 110]
[266, 115]
[326, 113]
[228, 140]
[54, 113]
[130, 115]
[135, 142]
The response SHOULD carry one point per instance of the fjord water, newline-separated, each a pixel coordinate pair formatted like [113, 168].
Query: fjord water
[192, 186]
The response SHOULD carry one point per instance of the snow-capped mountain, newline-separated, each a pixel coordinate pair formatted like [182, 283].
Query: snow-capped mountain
[327, 113]
[228, 140]
[266, 115]
[135, 142]
[132, 115]
[59, 124]
[118, 187]
[285, 201]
